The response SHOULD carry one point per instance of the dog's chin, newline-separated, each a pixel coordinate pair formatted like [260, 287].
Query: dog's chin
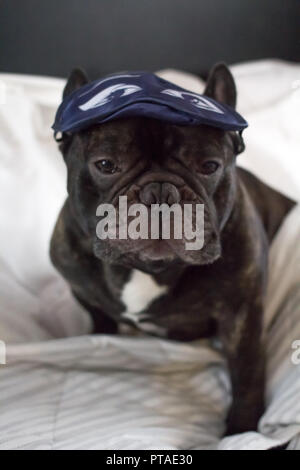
[151, 256]
[150, 266]
[154, 256]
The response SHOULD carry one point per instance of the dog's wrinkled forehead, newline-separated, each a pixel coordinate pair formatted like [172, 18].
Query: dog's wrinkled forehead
[111, 137]
[152, 137]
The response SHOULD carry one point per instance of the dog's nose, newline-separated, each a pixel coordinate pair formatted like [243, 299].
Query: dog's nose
[159, 193]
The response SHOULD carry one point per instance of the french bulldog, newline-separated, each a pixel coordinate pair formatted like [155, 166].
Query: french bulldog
[158, 286]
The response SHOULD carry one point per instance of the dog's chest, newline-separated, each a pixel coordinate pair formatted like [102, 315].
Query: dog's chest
[180, 312]
[138, 293]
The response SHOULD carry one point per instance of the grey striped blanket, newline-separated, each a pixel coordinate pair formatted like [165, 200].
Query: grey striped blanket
[109, 392]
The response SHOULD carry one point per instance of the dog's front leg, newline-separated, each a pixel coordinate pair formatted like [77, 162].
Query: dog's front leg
[241, 335]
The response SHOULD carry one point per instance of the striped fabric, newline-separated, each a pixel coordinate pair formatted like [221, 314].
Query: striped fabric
[108, 392]
[62, 388]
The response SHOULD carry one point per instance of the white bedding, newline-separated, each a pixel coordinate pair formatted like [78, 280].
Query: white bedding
[65, 389]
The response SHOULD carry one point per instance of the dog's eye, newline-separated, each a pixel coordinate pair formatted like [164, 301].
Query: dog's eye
[209, 167]
[106, 166]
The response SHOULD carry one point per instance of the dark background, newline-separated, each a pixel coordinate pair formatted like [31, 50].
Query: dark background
[50, 37]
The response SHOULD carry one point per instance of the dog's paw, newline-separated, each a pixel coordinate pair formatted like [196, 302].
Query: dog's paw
[239, 421]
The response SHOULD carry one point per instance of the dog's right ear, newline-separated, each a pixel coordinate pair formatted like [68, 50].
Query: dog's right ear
[221, 86]
[77, 79]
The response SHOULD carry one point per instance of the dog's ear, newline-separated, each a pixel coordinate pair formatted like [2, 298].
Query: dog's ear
[220, 85]
[76, 79]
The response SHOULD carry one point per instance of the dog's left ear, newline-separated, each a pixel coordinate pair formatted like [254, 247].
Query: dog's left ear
[220, 85]
[77, 78]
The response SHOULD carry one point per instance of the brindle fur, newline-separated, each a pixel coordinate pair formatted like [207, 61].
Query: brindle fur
[218, 292]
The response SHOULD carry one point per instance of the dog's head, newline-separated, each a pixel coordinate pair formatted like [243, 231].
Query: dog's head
[154, 162]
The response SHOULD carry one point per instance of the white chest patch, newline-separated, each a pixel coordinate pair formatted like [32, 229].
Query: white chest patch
[138, 293]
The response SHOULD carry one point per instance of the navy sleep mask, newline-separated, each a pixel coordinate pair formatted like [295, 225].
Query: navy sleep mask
[142, 94]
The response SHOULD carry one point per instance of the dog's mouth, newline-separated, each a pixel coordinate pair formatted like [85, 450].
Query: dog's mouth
[157, 255]
[186, 240]
[153, 257]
